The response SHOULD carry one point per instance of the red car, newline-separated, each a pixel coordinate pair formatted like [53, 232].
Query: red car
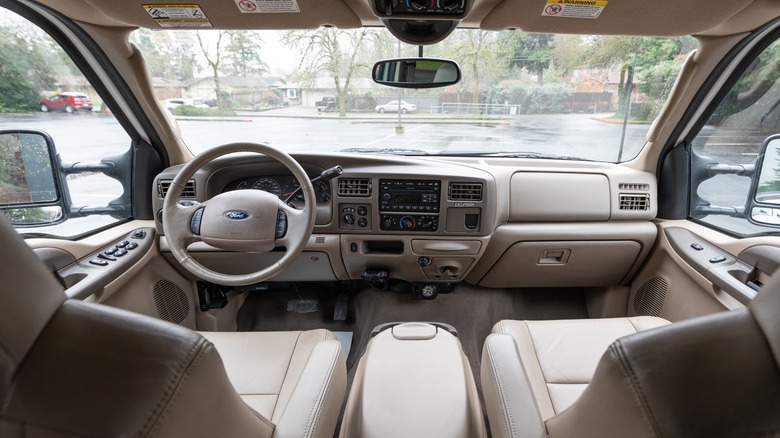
[68, 102]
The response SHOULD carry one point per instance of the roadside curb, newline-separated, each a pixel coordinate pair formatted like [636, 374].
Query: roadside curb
[618, 122]
[211, 119]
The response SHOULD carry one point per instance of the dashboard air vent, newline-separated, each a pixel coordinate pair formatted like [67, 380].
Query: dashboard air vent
[634, 186]
[634, 202]
[164, 184]
[354, 187]
[465, 192]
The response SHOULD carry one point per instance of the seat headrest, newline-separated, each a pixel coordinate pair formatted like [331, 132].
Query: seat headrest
[30, 295]
[766, 310]
[445, 73]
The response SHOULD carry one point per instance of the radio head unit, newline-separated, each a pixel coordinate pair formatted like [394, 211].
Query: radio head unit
[409, 196]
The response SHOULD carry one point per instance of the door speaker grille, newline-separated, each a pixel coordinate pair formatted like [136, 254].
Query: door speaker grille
[171, 302]
[649, 298]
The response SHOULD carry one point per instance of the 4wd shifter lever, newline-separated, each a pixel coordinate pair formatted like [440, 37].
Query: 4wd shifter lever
[326, 175]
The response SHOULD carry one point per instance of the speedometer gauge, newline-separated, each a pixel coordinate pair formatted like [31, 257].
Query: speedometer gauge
[268, 185]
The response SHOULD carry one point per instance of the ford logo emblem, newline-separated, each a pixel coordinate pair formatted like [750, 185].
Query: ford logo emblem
[236, 215]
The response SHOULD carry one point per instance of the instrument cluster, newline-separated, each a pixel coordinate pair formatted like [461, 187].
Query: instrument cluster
[280, 185]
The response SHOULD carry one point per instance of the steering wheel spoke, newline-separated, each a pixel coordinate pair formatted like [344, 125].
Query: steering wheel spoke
[290, 223]
[186, 214]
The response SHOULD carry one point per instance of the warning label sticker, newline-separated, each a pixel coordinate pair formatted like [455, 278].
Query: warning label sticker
[267, 6]
[178, 15]
[574, 8]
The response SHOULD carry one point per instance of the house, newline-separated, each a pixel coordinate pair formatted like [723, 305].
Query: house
[166, 88]
[321, 87]
[291, 94]
[599, 80]
[240, 91]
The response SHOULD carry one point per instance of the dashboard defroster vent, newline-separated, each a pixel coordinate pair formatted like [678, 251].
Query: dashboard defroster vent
[164, 184]
[634, 186]
[465, 192]
[354, 187]
[634, 202]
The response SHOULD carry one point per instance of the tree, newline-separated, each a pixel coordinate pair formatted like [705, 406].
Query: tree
[478, 53]
[214, 60]
[331, 51]
[166, 56]
[532, 51]
[654, 60]
[243, 57]
[24, 71]
[183, 61]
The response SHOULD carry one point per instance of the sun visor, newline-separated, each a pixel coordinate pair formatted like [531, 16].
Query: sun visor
[208, 14]
[612, 17]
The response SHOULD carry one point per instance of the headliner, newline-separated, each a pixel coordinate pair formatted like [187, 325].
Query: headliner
[619, 17]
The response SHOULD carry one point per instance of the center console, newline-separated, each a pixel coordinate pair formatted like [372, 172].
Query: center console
[413, 380]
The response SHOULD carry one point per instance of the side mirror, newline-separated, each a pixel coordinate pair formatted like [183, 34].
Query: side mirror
[416, 73]
[30, 180]
[765, 193]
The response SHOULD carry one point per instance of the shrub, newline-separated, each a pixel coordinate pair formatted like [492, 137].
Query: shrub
[189, 110]
[547, 99]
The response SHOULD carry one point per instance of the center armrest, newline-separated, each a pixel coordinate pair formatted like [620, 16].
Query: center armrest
[413, 380]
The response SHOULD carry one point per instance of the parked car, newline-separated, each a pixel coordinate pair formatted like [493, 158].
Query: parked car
[170, 104]
[68, 102]
[328, 103]
[508, 266]
[392, 107]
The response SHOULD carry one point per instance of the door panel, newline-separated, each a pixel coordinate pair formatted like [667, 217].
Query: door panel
[139, 279]
[679, 282]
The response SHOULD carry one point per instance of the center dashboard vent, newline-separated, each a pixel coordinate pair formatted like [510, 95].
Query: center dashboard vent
[164, 184]
[634, 202]
[465, 192]
[354, 187]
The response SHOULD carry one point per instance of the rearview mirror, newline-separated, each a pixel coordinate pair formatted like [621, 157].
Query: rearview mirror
[765, 199]
[416, 73]
[29, 179]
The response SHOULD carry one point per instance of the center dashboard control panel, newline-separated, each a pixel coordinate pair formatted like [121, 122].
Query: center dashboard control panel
[409, 205]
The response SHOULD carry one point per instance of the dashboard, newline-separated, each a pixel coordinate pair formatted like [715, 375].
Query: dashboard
[493, 222]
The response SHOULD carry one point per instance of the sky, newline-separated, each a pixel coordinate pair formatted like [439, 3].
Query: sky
[273, 52]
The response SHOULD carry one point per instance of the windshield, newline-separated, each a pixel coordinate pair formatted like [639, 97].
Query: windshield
[525, 95]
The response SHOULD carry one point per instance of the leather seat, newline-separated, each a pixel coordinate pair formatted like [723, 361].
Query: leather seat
[69, 368]
[717, 375]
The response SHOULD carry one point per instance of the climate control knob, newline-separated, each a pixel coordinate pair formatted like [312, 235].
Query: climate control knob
[450, 5]
[418, 5]
[407, 223]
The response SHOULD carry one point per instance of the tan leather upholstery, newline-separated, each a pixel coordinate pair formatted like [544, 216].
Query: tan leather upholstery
[69, 368]
[295, 379]
[413, 381]
[713, 376]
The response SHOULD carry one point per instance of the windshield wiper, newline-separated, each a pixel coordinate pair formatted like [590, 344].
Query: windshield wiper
[538, 155]
[394, 151]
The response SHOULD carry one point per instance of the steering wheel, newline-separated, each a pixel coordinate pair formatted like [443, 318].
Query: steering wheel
[239, 220]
